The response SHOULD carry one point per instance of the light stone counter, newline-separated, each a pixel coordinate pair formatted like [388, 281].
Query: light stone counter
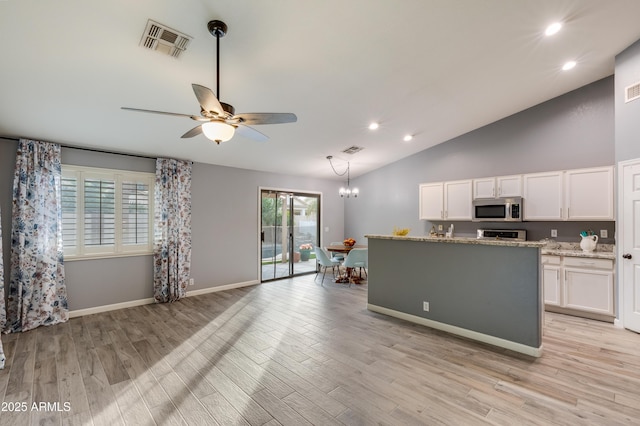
[461, 240]
[603, 251]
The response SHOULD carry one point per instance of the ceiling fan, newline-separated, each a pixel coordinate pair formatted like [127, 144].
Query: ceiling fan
[219, 122]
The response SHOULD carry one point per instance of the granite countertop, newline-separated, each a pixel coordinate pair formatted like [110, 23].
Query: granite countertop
[461, 240]
[603, 251]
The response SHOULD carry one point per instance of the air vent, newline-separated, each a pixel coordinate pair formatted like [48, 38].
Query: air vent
[631, 93]
[353, 149]
[163, 39]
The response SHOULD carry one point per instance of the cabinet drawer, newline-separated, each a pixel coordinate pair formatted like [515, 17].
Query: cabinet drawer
[546, 259]
[584, 262]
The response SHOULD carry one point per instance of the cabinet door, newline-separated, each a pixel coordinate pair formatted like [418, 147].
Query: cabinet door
[543, 196]
[589, 290]
[551, 285]
[589, 194]
[509, 186]
[457, 200]
[484, 188]
[432, 201]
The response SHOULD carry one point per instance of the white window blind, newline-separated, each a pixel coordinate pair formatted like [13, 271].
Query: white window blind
[106, 212]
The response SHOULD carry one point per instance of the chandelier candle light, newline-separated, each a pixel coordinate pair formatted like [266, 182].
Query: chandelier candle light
[345, 192]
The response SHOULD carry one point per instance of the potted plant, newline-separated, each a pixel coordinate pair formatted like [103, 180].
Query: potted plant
[305, 251]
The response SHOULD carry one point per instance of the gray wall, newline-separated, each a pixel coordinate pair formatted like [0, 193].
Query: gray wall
[495, 292]
[627, 121]
[224, 221]
[575, 130]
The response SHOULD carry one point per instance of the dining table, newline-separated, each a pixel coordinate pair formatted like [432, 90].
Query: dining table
[342, 248]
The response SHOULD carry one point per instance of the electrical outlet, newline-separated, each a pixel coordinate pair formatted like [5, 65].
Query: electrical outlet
[192, 281]
[554, 233]
[425, 306]
[604, 233]
[439, 227]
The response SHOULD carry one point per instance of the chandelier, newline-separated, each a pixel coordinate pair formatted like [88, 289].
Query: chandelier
[345, 192]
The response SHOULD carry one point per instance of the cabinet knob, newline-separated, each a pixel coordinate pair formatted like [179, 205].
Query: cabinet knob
[627, 256]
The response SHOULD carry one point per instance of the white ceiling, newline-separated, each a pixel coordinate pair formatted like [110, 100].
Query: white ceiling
[432, 68]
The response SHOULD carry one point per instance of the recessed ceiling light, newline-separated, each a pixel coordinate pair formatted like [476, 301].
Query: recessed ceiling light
[407, 138]
[568, 65]
[553, 28]
[373, 126]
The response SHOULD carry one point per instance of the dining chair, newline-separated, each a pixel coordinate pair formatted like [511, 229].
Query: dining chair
[325, 262]
[337, 255]
[357, 258]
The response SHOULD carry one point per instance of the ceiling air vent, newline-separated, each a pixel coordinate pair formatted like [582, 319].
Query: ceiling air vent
[164, 39]
[631, 93]
[353, 149]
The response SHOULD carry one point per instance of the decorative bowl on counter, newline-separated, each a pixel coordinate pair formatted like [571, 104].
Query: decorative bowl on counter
[401, 232]
[349, 242]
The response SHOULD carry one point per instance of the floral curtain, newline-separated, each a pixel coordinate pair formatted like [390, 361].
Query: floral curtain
[3, 314]
[37, 293]
[172, 233]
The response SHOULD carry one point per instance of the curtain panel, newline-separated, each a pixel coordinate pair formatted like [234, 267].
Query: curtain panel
[37, 294]
[3, 312]
[172, 229]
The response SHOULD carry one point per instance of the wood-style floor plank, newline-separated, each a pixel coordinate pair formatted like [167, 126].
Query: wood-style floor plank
[293, 352]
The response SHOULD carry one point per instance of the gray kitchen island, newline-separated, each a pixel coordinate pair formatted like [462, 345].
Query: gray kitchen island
[487, 290]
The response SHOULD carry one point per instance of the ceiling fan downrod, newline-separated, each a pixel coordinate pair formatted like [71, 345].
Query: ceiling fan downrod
[217, 29]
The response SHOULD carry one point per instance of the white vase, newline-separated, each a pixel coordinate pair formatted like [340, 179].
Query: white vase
[588, 243]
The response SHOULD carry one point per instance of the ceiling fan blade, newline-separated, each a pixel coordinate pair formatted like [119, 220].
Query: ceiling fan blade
[207, 99]
[193, 132]
[193, 117]
[266, 117]
[251, 133]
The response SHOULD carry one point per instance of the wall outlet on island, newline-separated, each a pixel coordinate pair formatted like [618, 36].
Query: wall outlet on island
[425, 306]
[192, 281]
[554, 233]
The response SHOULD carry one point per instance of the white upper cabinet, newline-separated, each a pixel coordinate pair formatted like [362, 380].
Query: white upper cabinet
[457, 200]
[432, 201]
[446, 200]
[509, 186]
[501, 186]
[543, 196]
[579, 194]
[589, 194]
[484, 188]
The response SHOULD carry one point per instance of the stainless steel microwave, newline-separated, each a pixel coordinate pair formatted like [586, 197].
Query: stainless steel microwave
[497, 209]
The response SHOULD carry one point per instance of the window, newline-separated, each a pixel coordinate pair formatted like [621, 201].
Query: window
[106, 212]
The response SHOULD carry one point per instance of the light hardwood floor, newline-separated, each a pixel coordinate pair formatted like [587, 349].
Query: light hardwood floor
[293, 353]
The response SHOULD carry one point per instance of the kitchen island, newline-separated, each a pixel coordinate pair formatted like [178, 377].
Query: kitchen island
[487, 290]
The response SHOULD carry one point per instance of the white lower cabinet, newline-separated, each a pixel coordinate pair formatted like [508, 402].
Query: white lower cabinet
[552, 288]
[581, 285]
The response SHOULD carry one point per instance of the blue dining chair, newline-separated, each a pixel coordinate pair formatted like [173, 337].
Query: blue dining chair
[337, 255]
[325, 262]
[357, 258]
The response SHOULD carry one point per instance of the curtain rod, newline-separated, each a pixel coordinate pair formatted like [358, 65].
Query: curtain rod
[88, 149]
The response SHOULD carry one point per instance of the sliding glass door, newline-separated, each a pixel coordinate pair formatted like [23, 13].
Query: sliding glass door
[290, 229]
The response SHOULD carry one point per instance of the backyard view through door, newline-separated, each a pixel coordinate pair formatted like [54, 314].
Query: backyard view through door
[290, 229]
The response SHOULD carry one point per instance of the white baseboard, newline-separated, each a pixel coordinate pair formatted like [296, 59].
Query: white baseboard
[222, 288]
[140, 302]
[107, 308]
[481, 337]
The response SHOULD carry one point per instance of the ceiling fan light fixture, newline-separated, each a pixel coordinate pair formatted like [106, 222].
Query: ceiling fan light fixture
[218, 131]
